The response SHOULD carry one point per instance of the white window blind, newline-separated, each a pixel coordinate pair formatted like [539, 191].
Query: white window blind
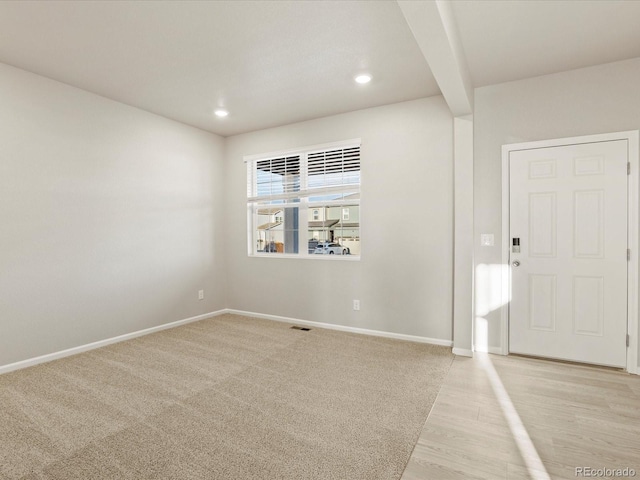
[274, 178]
[336, 167]
[313, 172]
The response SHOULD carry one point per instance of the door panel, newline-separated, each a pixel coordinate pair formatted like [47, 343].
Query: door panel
[542, 302]
[542, 224]
[568, 210]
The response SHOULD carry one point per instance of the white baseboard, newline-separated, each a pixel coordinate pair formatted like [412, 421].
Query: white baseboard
[342, 328]
[463, 352]
[128, 336]
[487, 349]
[102, 343]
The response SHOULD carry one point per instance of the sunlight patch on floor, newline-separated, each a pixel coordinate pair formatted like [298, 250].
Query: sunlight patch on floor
[535, 466]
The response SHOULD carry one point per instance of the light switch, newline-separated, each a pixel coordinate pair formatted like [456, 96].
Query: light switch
[486, 239]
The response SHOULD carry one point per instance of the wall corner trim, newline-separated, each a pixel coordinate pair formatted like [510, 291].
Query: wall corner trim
[30, 362]
[462, 352]
[489, 349]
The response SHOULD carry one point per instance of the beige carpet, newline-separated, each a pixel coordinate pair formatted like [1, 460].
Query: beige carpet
[226, 398]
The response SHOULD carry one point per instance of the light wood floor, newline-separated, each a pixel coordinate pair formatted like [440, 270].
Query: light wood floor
[519, 418]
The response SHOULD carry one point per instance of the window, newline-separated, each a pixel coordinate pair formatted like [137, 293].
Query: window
[305, 202]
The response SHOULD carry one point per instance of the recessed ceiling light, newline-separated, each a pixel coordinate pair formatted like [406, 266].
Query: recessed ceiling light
[363, 78]
[221, 113]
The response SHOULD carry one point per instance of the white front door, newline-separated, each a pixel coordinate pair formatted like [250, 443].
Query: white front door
[568, 219]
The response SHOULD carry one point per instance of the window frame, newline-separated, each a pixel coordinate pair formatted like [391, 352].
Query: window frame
[303, 200]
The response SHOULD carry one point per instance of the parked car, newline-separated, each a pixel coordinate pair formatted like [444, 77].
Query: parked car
[327, 248]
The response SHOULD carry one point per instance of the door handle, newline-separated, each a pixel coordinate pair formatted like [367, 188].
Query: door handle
[516, 263]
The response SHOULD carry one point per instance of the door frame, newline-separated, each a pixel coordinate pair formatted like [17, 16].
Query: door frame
[633, 184]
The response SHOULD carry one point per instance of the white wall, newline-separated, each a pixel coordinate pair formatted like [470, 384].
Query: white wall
[403, 280]
[463, 236]
[600, 99]
[110, 218]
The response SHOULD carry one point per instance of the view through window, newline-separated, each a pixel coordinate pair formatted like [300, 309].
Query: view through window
[306, 202]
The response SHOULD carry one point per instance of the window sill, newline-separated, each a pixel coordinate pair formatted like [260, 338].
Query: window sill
[309, 256]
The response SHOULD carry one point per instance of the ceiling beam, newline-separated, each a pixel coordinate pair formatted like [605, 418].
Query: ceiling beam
[433, 25]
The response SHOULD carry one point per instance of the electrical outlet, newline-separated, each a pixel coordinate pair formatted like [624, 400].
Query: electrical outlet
[356, 304]
[200, 294]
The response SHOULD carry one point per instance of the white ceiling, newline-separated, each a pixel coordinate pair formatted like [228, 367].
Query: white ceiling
[510, 40]
[277, 62]
[268, 62]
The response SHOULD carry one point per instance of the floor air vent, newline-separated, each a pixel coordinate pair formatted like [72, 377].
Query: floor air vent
[304, 329]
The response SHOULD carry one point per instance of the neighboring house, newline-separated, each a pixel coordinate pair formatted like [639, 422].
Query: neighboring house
[340, 224]
[270, 229]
